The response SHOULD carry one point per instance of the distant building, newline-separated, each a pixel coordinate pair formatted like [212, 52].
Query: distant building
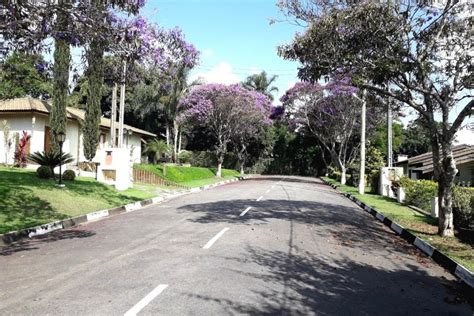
[32, 116]
[421, 166]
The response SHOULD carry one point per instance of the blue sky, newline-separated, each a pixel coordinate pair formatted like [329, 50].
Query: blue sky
[234, 37]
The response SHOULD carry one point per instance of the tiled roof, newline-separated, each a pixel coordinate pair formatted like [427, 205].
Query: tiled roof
[29, 104]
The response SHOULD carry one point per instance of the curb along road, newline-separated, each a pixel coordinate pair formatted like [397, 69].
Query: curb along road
[440, 258]
[8, 238]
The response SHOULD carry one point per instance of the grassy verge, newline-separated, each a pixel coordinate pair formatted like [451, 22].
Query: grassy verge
[26, 200]
[189, 176]
[422, 226]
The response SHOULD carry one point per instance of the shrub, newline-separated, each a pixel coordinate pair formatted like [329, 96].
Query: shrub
[419, 192]
[69, 175]
[463, 207]
[44, 172]
[185, 156]
[51, 158]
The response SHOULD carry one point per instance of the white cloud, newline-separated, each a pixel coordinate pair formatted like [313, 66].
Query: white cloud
[222, 73]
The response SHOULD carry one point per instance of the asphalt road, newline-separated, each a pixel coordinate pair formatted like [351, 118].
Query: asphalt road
[300, 249]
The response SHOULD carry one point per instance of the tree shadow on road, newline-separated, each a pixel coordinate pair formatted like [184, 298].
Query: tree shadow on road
[349, 226]
[299, 283]
[35, 242]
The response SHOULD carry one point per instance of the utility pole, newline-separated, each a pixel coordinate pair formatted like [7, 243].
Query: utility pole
[389, 137]
[113, 117]
[362, 145]
[122, 104]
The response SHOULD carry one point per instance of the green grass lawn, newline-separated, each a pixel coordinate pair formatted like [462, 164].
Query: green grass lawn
[26, 200]
[188, 176]
[421, 225]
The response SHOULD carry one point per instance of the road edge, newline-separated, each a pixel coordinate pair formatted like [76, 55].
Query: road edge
[27, 233]
[455, 268]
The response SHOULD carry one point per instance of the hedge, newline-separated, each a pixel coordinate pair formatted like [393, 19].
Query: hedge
[420, 192]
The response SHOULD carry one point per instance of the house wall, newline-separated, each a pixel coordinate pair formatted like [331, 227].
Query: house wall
[465, 173]
[18, 123]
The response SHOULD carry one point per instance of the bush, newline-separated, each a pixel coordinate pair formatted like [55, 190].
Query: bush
[44, 172]
[69, 175]
[51, 158]
[463, 207]
[419, 192]
[185, 156]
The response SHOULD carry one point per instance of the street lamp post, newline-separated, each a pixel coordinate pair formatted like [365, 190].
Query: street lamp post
[61, 137]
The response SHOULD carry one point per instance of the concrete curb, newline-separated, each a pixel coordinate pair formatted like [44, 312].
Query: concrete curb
[440, 258]
[28, 233]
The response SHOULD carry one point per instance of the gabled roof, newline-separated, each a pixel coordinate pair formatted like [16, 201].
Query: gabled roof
[29, 104]
[461, 154]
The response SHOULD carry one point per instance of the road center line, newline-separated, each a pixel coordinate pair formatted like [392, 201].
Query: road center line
[261, 197]
[146, 300]
[214, 239]
[267, 191]
[245, 212]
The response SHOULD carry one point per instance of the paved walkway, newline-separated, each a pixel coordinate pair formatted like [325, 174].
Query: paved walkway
[270, 245]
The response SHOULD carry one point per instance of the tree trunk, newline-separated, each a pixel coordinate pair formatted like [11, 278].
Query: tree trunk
[219, 169]
[242, 169]
[445, 194]
[175, 141]
[180, 142]
[167, 134]
[343, 175]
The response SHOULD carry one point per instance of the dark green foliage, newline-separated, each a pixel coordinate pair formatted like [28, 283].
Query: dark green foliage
[24, 75]
[91, 126]
[51, 158]
[185, 156]
[378, 138]
[58, 118]
[463, 207]
[416, 140]
[295, 153]
[44, 172]
[69, 175]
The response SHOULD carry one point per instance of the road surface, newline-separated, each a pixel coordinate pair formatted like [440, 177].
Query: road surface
[268, 245]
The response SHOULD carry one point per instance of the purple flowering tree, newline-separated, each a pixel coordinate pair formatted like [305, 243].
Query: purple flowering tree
[165, 53]
[25, 26]
[227, 111]
[419, 53]
[256, 118]
[331, 113]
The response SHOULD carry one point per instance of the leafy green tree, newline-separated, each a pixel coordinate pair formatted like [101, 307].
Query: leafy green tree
[415, 140]
[23, 75]
[262, 83]
[415, 53]
[378, 138]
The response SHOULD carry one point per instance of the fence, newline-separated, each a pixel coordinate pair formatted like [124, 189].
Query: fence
[147, 177]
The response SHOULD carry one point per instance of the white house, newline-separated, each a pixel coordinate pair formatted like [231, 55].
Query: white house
[32, 116]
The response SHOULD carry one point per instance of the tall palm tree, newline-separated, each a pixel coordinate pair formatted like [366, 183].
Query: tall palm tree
[261, 83]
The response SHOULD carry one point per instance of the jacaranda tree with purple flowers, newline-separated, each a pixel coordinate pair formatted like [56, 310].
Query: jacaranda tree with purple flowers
[25, 26]
[331, 113]
[419, 53]
[227, 111]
